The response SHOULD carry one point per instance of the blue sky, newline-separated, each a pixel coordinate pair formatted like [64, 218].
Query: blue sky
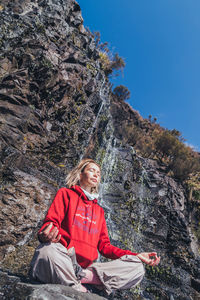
[160, 43]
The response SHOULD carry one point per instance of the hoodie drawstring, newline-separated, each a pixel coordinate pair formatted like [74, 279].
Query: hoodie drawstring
[77, 205]
[92, 216]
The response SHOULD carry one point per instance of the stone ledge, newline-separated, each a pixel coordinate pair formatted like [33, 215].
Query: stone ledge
[13, 287]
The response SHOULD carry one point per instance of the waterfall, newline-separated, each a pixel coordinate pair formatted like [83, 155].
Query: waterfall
[142, 207]
[104, 100]
[107, 166]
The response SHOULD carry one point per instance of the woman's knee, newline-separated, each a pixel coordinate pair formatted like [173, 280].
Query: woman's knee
[142, 269]
[42, 265]
[137, 273]
[46, 251]
[44, 255]
[135, 262]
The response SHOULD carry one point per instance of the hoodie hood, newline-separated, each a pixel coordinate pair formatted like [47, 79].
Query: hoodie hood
[82, 194]
[90, 196]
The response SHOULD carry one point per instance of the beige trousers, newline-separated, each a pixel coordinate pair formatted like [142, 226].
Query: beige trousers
[51, 263]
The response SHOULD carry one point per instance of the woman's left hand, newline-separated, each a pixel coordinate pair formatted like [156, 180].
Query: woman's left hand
[149, 258]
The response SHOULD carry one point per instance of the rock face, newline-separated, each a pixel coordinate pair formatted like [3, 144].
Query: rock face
[56, 109]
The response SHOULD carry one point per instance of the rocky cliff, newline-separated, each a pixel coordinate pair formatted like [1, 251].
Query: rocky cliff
[56, 109]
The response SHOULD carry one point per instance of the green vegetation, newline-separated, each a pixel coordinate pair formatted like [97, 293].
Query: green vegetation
[121, 93]
[110, 63]
[181, 159]
[167, 146]
[163, 274]
[15, 262]
[193, 184]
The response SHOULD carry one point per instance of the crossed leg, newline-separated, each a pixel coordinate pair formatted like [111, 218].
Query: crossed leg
[52, 264]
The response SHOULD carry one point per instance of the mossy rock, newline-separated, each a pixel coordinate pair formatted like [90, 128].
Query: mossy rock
[18, 261]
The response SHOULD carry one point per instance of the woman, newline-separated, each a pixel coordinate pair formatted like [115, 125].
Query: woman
[73, 232]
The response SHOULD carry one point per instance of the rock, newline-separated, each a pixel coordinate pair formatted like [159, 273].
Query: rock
[13, 287]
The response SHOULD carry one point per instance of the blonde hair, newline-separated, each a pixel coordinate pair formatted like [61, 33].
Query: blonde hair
[74, 175]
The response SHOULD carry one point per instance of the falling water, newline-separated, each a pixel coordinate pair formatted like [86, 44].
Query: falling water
[93, 127]
[141, 206]
[103, 98]
[107, 171]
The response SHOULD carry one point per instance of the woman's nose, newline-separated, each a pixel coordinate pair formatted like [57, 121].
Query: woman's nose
[96, 175]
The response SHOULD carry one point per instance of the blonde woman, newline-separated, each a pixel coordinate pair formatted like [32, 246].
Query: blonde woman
[74, 231]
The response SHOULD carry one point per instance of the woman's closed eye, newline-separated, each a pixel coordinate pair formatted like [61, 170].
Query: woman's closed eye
[93, 170]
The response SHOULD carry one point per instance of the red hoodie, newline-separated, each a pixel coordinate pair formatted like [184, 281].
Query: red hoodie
[82, 225]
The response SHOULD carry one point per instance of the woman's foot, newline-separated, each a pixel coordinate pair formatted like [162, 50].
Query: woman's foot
[91, 277]
[83, 289]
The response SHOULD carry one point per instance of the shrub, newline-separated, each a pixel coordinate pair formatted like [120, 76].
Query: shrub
[193, 185]
[181, 159]
[109, 62]
[183, 166]
[105, 62]
[121, 92]
[167, 146]
[117, 62]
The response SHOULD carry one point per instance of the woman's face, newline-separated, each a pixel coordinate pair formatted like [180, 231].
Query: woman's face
[90, 177]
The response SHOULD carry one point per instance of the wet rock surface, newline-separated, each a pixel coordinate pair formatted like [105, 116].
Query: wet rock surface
[55, 109]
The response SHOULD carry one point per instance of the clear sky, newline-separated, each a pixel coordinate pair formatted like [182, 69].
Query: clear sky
[160, 43]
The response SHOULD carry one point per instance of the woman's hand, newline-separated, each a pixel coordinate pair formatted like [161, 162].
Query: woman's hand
[47, 235]
[149, 258]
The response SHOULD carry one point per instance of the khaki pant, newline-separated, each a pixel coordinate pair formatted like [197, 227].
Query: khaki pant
[51, 263]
